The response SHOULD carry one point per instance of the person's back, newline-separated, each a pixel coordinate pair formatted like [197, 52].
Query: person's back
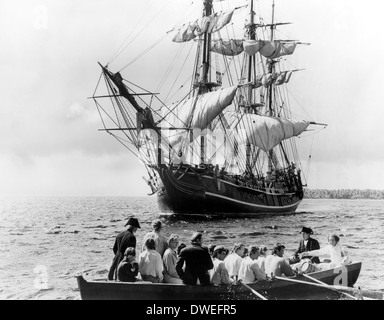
[161, 242]
[197, 262]
[249, 269]
[233, 260]
[151, 263]
[261, 258]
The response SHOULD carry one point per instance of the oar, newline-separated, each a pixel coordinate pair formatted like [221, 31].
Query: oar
[253, 291]
[326, 285]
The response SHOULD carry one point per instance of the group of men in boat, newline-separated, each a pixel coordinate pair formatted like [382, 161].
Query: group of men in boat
[165, 260]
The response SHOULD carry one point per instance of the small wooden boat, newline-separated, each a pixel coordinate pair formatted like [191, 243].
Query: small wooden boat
[276, 289]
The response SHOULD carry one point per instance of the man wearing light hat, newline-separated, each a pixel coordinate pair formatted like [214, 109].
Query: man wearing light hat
[306, 244]
[123, 241]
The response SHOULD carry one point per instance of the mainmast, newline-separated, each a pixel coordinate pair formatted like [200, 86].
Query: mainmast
[204, 86]
[251, 65]
[207, 43]
[252, 36]
[270, 61]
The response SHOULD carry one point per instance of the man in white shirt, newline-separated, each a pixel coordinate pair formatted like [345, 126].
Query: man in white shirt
[249, 269]
[219, 274]
[334, 250]
[233, 260]
[276, 265]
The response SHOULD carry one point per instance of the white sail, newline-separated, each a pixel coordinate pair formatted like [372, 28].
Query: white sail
[269, 49]
[263, 131]
[196, 113]
[276, 78]
[202, 25]
[210, 105]
[212, 23]
[251, 47]
[186, 33]
[227, 48]
[275, 49]
[219, 21]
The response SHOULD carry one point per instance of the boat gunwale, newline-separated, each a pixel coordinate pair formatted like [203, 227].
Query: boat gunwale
[260, 285]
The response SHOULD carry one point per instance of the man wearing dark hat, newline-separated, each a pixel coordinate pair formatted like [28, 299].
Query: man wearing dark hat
[123, 241]
[197, 262]
[306, 244]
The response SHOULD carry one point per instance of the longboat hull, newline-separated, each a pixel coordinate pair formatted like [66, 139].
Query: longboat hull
[272, 290]
[189, 192]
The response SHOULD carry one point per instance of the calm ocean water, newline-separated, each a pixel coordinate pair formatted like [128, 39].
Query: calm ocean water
[46, 241]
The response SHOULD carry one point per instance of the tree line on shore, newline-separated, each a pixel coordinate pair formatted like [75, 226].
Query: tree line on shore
[343, 194]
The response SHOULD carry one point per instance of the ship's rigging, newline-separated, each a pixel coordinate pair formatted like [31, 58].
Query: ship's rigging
[234, 123]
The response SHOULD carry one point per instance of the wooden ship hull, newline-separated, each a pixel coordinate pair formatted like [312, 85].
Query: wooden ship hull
[189, 191]
[272, 290]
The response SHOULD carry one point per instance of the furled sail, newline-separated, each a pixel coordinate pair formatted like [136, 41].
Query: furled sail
[251, 47]
[275, 49]
[219, 21]
[186, 33]
[227, 47]
[212, 23]
[197, 112]
[280, 78]
[276, 78]
[269, 49]
[263, 131]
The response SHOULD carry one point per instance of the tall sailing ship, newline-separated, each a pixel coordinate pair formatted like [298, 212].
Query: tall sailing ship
[227, 147]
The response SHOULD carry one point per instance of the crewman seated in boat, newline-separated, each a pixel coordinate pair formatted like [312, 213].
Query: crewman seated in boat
[306, 244]
[234, 259]
[338, 255]
[249, 269]
[219, 273]
[128, 268]
[262, 256]
[151, 263]
[276, 265]
[169, 261]
[161, 241]
[194, 262]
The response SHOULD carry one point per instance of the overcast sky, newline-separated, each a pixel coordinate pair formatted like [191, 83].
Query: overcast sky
[49, 138]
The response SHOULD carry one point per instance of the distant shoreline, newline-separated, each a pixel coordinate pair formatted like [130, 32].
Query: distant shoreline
[343, 194]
